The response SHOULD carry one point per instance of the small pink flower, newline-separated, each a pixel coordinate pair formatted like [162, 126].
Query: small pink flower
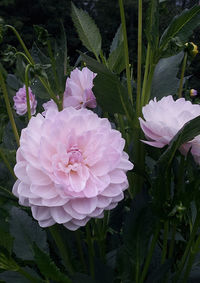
[20, 104]
[70, 167]
[164, 118]
[78, 92]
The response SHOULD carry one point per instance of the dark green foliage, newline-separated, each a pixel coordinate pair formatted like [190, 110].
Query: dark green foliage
[25, 232]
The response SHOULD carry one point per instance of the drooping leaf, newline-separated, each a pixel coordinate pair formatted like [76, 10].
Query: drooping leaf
[109, 91]
[87, 30]
[48, 268]
[165, 81]
[181, 26]
[25, 232]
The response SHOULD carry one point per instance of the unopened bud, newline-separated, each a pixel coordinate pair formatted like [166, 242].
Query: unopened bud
[192, 49]
[193, 92]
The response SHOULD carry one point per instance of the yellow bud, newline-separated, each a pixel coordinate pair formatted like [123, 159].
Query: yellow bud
[192, 48]
[84, 64]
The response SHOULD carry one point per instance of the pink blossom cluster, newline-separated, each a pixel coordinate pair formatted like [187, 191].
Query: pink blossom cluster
[20, 102]
[164, 118]
[70, 167]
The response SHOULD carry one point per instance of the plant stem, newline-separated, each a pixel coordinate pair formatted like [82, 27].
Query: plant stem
[103, 58]
[145, 75]
[139, 59]
[172, 242]
[27, 92]
[22, 43]
[148, 85]
[150, 254]
[80, 250]
[90, 250]
[182, 75]
[8, 107]
[62, 246]
[165, 238]
[5, 160]
[193, 253]
[126, 55]
[11, 196]
[189, 244]
[53, 63]
[23, 55]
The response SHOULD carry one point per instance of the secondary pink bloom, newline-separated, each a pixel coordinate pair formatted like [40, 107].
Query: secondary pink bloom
[49, 104]
[164, 118]
[20, 104]
[70, 167]
[78, 92]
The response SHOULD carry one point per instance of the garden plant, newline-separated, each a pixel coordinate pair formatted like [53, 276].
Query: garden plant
[99, 163]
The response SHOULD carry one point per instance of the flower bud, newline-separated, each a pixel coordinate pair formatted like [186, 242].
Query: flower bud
[192, 49]
[193, 92]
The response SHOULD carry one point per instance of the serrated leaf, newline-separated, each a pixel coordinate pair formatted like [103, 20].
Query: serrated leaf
[87, 30]
[117, 40]
[25, 232]
[107, 87]
[165, 81]
[116, 60]
[181, 26]
[48, 268]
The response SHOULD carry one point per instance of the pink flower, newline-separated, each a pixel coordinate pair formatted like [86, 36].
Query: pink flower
[49, 104]
[164, 118]
[70, 167]
[20, 104]
[78, 92]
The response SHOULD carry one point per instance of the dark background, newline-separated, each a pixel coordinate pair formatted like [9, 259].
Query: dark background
[23, 14]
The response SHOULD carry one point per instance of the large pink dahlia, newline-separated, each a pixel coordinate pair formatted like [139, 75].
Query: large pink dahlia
[70, 167]
[164, 118]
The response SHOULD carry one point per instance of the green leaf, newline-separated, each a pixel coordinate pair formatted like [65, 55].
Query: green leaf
[116, 60]
[25, 232]
[165, 81]
[13, 82]
[83, 278]
[190, 130]
[117, 40]
[48, 268]
[152, 24]
[182, 26]
[109, 91]
[6, 241]
[15, 277]
[87, 30]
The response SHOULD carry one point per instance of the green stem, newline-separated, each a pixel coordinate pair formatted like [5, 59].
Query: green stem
[53, 63]
[103, 58]
[22, 43]
[11, 196]
[148, 85]
[23, 55]
[145, 76]
[165, 239]
[126, 55]
[150, 254]
[90, 250]
[189, 244]
[62, 246]
[27, 92]
[5, 160]
[80, 250]
[139, 59]
[172, 242]
[8, 107]
[193, 253]
[182, 75]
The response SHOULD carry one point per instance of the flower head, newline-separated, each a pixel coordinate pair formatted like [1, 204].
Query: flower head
[20, 104]
[70, 167]
[78, 92]
[164, 118]
[193, 92]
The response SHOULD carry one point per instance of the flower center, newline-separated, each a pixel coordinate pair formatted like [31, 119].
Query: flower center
[75, 156]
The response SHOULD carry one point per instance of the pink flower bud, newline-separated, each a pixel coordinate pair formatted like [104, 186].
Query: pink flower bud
[20, 104]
